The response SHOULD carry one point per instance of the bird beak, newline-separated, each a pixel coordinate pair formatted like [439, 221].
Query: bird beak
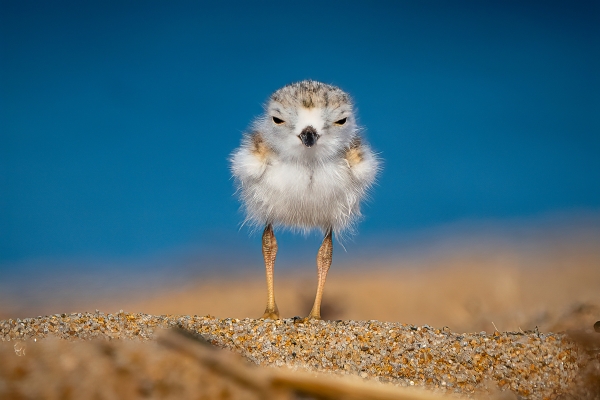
[309, 136]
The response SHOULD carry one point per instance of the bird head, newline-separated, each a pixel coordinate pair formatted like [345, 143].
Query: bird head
[307, 121]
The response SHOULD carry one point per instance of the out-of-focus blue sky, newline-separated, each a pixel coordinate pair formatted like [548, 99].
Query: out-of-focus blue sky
[117, 118]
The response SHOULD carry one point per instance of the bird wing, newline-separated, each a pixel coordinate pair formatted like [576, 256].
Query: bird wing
[250, 160]
[362, 162]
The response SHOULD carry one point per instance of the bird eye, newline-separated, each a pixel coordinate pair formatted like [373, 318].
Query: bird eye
[278, 121]
[341, 121]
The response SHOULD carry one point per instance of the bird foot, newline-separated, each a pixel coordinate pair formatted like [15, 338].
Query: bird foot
[270, 315]
[313, 317]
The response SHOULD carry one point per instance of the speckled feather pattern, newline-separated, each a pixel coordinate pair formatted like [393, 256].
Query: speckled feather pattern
[283, 182]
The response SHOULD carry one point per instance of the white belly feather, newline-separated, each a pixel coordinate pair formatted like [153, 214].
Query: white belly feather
[299, 196]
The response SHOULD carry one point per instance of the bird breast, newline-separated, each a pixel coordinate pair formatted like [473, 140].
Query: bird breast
[305, 196]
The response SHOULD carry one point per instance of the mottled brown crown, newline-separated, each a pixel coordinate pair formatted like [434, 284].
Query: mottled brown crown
[311, 94]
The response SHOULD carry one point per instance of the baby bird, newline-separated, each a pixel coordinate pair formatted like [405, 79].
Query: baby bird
[303, 165]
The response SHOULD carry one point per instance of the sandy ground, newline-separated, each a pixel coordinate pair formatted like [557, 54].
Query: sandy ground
[532, 364]
[551, 285]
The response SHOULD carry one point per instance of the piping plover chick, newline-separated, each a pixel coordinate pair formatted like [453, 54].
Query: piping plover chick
[304, 166]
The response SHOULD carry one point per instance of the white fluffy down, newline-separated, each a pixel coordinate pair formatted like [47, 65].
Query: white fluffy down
[300, 196]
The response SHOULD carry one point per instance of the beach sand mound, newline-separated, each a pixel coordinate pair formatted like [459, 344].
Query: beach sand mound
[129, 355]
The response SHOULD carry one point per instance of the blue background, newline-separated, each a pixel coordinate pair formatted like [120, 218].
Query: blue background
[117, 118]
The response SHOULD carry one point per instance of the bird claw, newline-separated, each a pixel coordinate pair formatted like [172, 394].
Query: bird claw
[312, 317]
[270, 315]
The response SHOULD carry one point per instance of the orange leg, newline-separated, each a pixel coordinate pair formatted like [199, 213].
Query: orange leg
[323, 263]
[269, 249]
